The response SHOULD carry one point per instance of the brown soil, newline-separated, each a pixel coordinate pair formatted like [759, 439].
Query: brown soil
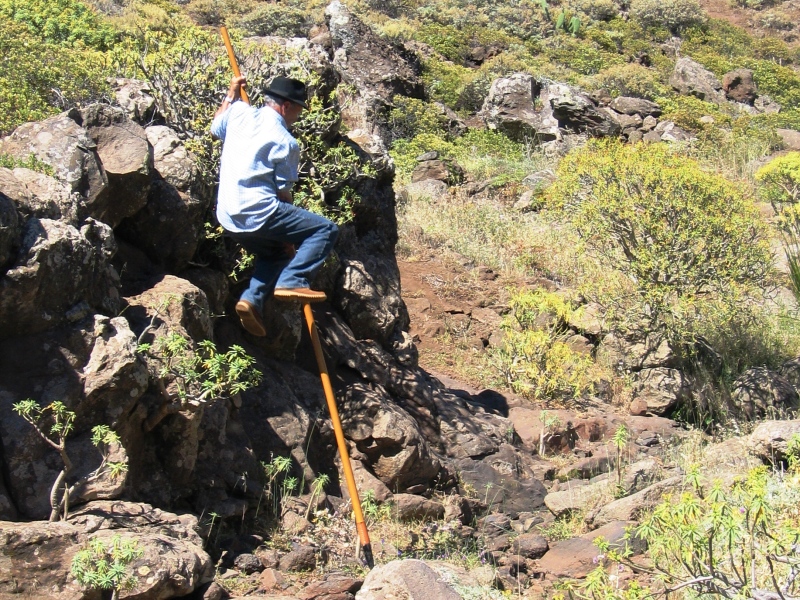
[455, 309]
[750, 19]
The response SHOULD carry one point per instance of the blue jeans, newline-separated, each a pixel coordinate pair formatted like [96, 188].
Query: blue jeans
[313, 237]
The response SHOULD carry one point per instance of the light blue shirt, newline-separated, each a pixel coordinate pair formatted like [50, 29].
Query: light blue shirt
[259, 158]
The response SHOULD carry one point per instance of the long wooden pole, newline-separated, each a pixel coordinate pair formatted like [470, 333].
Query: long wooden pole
[232, 59]
[361, 526]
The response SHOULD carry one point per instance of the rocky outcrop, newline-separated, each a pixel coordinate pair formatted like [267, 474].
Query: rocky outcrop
[61, 143]
[523, 107]
[692, 79]
[374, 67]
[125, 157]
[662, 389]
[57, 277]
[37, 556]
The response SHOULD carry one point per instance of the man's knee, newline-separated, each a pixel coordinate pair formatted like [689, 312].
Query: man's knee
[333, 232]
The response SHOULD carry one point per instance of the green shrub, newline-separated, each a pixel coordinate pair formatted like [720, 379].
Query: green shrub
[536, 361]
[675, 15]
[736, 151]
[777, 20]
[405, 152]
[630, 79]
[105, 567]
[598, 10]
[580, 55]
[681, 235]
[39, 79]
[274, 19]
[411, 117]
[686, 111]
[445, 82]
[779, 180]
[728, 543]
[63, 22]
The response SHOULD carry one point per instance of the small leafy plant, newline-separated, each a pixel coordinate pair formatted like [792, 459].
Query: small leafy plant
[62, 421]
[105, 566]
[189, 380]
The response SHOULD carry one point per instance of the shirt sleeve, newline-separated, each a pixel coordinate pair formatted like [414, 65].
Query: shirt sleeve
[220, 124]
[286, 161]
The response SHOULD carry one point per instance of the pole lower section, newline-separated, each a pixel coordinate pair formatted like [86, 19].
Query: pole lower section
[361, 526]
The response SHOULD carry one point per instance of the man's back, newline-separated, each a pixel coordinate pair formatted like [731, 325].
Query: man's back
[259, 158]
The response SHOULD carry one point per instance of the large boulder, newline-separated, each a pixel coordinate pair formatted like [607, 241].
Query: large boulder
[692, 79]
[126, 158]
[790, 137]
[524, 107]
[503, 481]
[93, 369]
[628, 105]
[168, 228]
[578, 556]
[662, 389]
[409, 579]
[57, 272]
[397, 450]
[171, 159]
[630, 508]
[64, 145]
[374, 67]
[760, 392]
[36, 558]
[45, 197]
[770, 440]
[739, 86]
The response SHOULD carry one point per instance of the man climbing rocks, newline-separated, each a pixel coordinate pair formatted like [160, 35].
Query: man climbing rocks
[260, 160]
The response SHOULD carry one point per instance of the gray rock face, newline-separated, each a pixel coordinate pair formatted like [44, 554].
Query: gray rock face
[769, 441]
[408, 579]
[766, 105]
[692, 79]
[57, 269]
[523, 107]
[662, 389]
[61, 143]
[759, 392]
[126, 159]
[739, 86]
[170, 158]
[635, 106]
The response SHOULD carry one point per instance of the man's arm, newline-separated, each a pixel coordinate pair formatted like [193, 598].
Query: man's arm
[285, 196]
[234, 94]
